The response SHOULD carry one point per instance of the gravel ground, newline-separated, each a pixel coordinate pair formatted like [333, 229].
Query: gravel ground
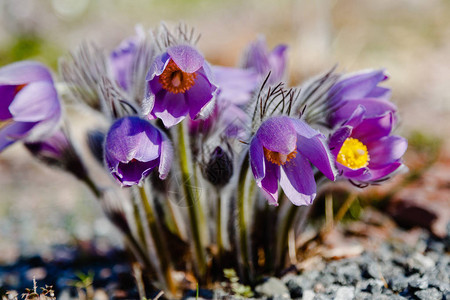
[393, 271]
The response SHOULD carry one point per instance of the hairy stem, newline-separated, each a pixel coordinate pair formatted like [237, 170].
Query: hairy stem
[242, 222]
[194, 207]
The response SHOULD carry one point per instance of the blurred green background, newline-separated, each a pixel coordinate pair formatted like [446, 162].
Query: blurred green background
[410, 38]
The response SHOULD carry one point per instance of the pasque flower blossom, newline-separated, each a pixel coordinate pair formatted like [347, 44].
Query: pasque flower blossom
[29, 105]
[364, 148]
[179, 83]
[133, 148]
[282, 150]
[259, 58]
[359, 89]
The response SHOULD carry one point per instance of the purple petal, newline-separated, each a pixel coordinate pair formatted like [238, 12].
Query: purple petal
[13, 132]
[186, 57]
[356, 86]
[315, 149]
[373, 107]
[278, 134]
[24, 72]
[257, 160]
[374, 128]
[304, 129]
[386, 150]
[157, 68]
[269, 184]
[35, 102]
[7, 93]
[338, 138]
[132, 138]
[383, 172]
[235, 85]
[361, 174]
[380, 93]
[277, 62]
[357, 117]
[198, 96]
[133, 173]
[171, 109]
[166, 157]
[297, 181]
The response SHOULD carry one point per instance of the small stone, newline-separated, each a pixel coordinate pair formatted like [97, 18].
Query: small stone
[308, 295]
[398, 284]
[417, 283]
[348, 274]
[345, 293]
[373, 286]
[273, 287]
[429, 294]
[363, 296]
[419, 263]
[295, 289]
[321, 297]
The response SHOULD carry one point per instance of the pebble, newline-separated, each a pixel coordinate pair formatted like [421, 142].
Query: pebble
[345, 293]
[273, 287]
[429, 294]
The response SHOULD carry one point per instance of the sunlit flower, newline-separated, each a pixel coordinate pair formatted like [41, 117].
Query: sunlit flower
[179, 83]
[359, 89]
[133, 148]
[282, 150]
[364, 148]
[262, 61]
[29, 105]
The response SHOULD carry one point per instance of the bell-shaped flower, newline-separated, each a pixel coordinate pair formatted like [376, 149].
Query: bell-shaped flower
[282, 150]
[29, 105]
[121, 61]
[364, 148]
[179, 83]
[359, 89]
[259, 59]
[133, 148]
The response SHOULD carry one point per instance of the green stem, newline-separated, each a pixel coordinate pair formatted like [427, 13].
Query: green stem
[242, 220]
[138, 221]
[286, 226]
[158, 241]
[192, 205]
[219, 224]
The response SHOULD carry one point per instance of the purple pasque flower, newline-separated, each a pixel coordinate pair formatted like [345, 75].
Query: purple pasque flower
[179, 83]
[134, 147]
[262, 61]
[364, 148]
[121, 61]
[282, 150]
[359, 89]
[29, 105]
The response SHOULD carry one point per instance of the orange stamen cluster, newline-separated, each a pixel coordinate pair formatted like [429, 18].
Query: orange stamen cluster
[19, 87]
[277, 157]
[176, 81]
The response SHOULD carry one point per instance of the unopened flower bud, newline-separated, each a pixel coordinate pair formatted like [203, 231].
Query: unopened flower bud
[219, 168]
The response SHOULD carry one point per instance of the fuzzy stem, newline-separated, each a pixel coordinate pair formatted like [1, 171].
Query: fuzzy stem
[283, 234]
[242, 222]
[219, 224]
[157, 241]
[194, 208]
[92, 186]
[138, 221]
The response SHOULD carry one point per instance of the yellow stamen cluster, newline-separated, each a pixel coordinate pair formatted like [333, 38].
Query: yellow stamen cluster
[277, 157]
[4, 123]
[176, 81]
[353, 154]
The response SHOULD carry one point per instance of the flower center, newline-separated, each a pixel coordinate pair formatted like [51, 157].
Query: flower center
[353, 154]
[277, 157]
[176, 81]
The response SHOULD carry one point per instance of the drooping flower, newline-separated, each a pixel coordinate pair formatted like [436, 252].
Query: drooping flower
[59, 151]
[179, 83]
[282, 150]
[133, 148]
[29, 105]
[259, 58]
[364, 148]
[359, 89]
